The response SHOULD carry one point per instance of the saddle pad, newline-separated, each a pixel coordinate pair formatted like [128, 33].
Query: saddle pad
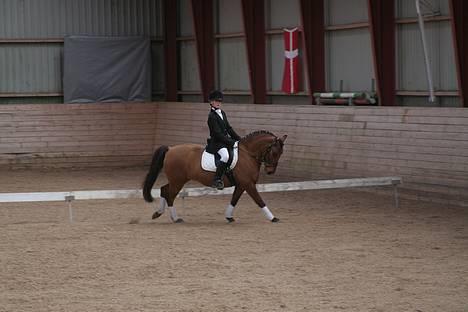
[208, 160]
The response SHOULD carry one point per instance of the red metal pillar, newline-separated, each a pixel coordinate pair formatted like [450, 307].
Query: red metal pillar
[459, 12]
[170, 49]
[204, 32]
[312, 12]
[382, 26]
[254, 25]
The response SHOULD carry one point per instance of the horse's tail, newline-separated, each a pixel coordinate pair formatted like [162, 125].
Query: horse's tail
[156, 166]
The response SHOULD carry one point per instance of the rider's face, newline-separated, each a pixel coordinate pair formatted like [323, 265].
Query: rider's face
[216, 104]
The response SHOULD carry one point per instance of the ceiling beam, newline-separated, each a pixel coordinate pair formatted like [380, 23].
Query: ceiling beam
[254, 27]
[382, 28]
[170, 49]
[313, 27]
[202, 11]
[459, 13]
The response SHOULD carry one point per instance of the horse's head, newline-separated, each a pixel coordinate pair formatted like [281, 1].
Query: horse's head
[272, 154]
[264, 147]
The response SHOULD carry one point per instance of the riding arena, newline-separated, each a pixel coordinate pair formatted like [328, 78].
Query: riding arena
[348, 191]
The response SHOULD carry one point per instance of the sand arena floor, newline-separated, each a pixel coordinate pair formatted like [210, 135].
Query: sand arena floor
[334, 250]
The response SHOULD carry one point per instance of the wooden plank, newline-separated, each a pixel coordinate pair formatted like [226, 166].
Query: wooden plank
[333, 141]
[455, 125]
[306, 137]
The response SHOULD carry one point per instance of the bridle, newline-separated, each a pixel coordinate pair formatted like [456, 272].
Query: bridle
[263, 158]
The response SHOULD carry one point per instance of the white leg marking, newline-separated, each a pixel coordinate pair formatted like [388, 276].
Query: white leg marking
[162, 205]
[267, 213]
[173, 212]
[229, 211]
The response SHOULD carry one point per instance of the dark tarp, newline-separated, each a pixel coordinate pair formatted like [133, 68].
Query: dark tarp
[106, 69]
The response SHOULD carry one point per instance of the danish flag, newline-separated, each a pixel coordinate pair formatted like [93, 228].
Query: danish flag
[291, 81]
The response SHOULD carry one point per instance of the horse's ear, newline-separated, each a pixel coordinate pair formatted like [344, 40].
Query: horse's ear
[283, 138]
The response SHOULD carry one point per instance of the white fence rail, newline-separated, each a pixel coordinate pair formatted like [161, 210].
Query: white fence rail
[200, 191]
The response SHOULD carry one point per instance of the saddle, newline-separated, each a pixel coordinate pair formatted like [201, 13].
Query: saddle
[210, 161]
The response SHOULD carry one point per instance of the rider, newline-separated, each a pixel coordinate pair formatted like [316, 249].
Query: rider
[222, 137]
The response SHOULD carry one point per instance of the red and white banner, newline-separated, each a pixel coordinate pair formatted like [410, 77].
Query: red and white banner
[291, 81]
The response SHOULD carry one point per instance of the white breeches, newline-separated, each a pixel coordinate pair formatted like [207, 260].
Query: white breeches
[224, 154]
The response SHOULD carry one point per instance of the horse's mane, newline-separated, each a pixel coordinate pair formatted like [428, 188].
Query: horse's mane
[255, 133]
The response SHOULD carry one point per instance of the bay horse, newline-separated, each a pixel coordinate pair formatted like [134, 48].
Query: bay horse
[182, 163]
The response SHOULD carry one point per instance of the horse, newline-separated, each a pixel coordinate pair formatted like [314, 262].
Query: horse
[182, 163]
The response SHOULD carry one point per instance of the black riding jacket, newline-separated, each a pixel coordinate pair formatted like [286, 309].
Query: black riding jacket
[221, 132]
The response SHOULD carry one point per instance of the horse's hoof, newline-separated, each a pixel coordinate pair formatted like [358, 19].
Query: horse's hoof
[179, 220]
[275, 219]
[231, 219]
[156, 215]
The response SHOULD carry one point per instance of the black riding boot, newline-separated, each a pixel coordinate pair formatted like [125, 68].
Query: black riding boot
[218, 178]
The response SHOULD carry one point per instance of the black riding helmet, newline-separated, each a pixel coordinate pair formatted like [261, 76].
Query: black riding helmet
[216, 95]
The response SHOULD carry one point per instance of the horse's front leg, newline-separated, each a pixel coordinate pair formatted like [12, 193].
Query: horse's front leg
[235, 198]
[252, 191]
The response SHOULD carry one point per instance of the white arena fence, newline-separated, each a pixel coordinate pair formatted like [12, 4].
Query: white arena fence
[199, 191]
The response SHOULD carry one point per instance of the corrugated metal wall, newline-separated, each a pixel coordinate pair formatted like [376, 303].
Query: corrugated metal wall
[57, 18]
[231, 52]
[232, 71]
[35, 65]
[410, 57]
[349, 64]
[31, 68]
[345, 11]
[189, 72]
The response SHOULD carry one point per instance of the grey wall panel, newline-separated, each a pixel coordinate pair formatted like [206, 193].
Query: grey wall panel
[229, 16]
[411, 66]
[31, 68]
[37, 67]
[232, 67]
[349, 58]
[447, 68]
[56, 18]
[420, 101]
[189, 72]
[450, 101]
[242, 99]
[32, 100]
[345, 11]
[411, 70]
[348, 52]
[407, 8]
[281, 14]
[185, 18]
[293, 100]
[233, 71]
[275, 62]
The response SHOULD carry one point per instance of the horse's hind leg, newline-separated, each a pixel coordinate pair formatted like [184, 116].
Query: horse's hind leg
[168, 194]
[162, 205]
